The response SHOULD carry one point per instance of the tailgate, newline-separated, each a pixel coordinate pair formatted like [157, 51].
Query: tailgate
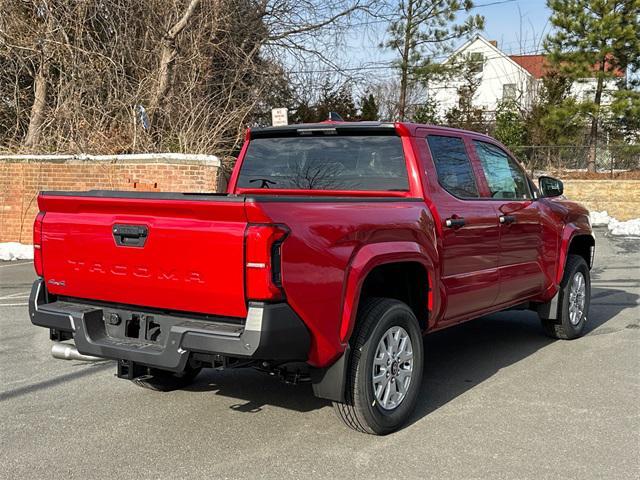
[165, 251]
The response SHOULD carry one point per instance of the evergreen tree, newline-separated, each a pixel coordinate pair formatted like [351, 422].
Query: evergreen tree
[422, 29]
[304, 112]
[625, 114]
[339, 100]
[466, 115]
[594, 39]
[369, 108]
[554, 118]
[427, 113]
[510, 127]
[332, 98]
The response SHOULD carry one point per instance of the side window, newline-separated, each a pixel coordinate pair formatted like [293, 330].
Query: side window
[453, 166]
[506, 179]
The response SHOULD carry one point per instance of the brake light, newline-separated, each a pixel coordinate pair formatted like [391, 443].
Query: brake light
[263, 261]
[37, 244]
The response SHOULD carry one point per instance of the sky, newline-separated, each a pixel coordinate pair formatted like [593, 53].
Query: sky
[517, 25]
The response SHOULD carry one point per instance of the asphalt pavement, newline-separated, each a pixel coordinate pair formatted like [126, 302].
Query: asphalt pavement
[499, 401]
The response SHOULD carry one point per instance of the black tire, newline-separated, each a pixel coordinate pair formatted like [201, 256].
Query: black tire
[563, 328]
[165, 381]
[361, 411]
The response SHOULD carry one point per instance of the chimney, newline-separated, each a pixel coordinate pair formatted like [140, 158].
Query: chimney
[494, 43]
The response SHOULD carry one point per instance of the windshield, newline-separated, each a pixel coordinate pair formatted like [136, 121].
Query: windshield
[336, 162]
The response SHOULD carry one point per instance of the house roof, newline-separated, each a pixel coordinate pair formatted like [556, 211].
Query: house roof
[491, 44]
[536, 65]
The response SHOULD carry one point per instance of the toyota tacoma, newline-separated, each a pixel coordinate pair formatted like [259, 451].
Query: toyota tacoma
[337, 246]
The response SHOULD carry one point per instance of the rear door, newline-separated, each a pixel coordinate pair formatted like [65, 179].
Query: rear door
[470, 232]
[521, 240]
[160, 252]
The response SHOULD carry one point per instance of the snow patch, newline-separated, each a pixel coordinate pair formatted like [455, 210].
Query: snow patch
[15, 251]
[599, 219]
[616, 227]
[630, 227]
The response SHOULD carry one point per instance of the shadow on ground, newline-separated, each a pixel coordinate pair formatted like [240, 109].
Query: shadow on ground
[456, 359]
[607, 303]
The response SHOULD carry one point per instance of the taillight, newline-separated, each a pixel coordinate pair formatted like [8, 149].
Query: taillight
[37, 244]
[263, 261]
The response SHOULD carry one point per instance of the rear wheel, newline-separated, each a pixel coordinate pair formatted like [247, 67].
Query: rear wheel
[385, 371]
[165, 381]
[573, 301]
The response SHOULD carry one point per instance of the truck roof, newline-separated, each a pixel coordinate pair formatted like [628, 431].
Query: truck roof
[362, 125]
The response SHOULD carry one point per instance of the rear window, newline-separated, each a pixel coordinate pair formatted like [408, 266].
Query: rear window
[337, 162]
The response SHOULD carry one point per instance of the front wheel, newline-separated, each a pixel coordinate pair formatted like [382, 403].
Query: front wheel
[385, 371]
[573, 301]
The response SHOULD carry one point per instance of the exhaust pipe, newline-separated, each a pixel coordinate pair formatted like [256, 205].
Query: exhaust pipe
[69, 352]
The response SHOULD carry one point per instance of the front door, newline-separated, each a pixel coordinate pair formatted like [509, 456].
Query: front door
[470, 231]
[521, 248]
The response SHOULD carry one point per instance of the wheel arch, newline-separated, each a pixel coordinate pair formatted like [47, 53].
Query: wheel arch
[575, 242]
[385, 270]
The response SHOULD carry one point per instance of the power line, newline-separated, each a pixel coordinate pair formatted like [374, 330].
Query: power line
[390, 65]
[494, 3]
[475, 7]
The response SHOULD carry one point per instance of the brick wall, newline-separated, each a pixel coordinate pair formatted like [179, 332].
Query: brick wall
[620, 198]
[22, 177]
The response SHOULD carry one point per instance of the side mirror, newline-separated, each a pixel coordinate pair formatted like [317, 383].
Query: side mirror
[550, 187]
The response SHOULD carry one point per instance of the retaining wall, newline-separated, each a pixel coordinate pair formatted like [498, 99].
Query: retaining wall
[23, 176]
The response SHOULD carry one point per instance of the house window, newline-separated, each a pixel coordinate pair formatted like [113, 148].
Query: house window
[509, 91]
[476, 59]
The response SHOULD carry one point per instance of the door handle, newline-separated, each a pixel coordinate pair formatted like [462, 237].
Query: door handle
[130, 235]
[454, 222]
[507, 219]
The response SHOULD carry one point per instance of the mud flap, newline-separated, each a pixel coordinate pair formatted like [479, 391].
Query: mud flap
[549, 310]
[329, 383]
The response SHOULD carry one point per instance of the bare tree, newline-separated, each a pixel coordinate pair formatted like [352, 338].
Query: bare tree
[168, 54]
[40, 84]
[102, 75]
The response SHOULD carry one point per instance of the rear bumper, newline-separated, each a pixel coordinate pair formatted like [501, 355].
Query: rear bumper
[270, 332]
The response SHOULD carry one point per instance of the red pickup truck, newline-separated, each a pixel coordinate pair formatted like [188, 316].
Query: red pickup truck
[337, 246]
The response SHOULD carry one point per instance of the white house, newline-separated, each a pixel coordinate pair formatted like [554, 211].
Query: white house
[502, 76]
